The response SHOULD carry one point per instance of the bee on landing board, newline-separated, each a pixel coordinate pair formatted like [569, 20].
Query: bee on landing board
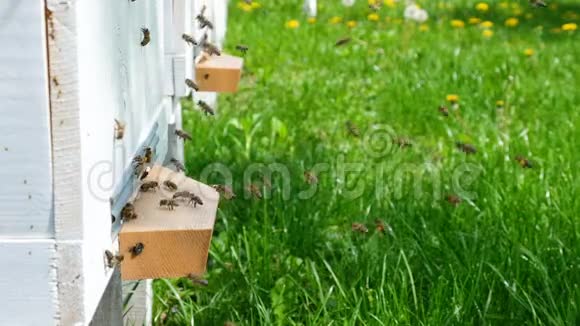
[183, 135]
[466, 148]
[178, 165]
[191, 84]
[194, 200]
[146, 36]
[205, 108]
[119, 129]
[523, 162]
[352, 129]
[169, 203]
[170, 185]
[112, 259]
[151, 185]
[128, 212]
[137, 249]
[226, 191]
[188, 39]
[359, 227]
[148, 154]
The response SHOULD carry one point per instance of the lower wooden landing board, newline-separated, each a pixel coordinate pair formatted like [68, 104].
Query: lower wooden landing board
[175, 242]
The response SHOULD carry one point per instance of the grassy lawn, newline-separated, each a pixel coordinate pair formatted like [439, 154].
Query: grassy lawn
[467, 238]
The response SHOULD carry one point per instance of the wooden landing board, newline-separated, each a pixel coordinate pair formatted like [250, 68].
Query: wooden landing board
[176, 242]
[218, 73]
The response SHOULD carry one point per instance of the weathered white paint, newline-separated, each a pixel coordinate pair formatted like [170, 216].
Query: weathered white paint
[25, 155]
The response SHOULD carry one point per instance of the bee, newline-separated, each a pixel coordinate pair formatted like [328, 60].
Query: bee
[188, 39]
[204, 22]
[242, 48]
[466, 148]
[310, 177]
[191, 84]
[402, 142]
[148, 186]
[119, 129]
[169, 203]
[128, 212]
[352, 129]
[145, 173]
[523, 162]
[382, 227]
[112, 259]
[137, 249]
[146, 36]
[198, 280]
[359, 227]
[170, 185]
[226, 191]
[181, 194]
[211, 49]
[195, 200]
[205, 108]
[148, 154]
[139, 162]
[206, 76]
[538, 3]
[342, 41]
[178, 165]
[255, 191]
[453, 200]
[443, 110]
[183, 135]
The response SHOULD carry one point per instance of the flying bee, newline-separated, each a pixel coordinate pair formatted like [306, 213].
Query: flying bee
[466, 148]
[170, 185]
[148, 155]
[211, 49]
[382, 227]
[205, 108]
[119, 129]
[169, 203]
[453, 200]
[128, 212]
[538, 3]
[178, 165]
[137, 249]
[254, 190]
[352, 129]
[145, 173]
[376, 6]
[226, 191]
[195, 200]
[359, 227]
[242, 48]
[443, 110]
[145, 187]
[342, 41]
[182, 134]
[402, 142]
[112, 259]
[146, 36]
[188, 39]
[204, 22]
[523, 162]
[198, 280]
[191, 84]
[310, 177]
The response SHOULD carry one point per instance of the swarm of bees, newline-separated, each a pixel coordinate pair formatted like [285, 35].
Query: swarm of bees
[146, 36]
[137, 249]
[466, 148]
[112, 259]
[352, 129]
[189, 39]
[226, 191]
[205, 108]
[182, 134]
[191, 84]
[523, 162]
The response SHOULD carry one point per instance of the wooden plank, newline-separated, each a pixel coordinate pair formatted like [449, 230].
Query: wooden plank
[219, 73]
[25, 154]
[176, 242]
[28, 282]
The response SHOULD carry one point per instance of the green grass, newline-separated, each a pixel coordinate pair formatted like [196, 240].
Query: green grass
[508, 254]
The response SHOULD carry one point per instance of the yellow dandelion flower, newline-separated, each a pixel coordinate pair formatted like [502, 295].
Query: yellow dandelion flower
[457, 23]
[569, 27]
[245, 7]
[486, 24]
[512, 22]
[499, 103]
[482, 6]
[373, 2]
[487, 33]
[452, 98]
[351, 24]
[335, 20]
[528, 52]
[423, 27]
[292, 24]
[474, 21]
[390, 3]
[373, 17]
[311, 20]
